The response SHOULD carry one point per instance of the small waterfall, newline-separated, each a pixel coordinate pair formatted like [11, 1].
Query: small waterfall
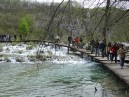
[28, 53]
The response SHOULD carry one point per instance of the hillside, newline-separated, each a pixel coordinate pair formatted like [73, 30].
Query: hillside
[61, 20]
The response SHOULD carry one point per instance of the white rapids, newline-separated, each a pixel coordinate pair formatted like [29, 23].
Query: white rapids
[23, 52]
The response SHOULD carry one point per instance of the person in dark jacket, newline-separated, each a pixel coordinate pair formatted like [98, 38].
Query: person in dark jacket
[70, 39]
[20, 36]
[92, 42]
[81, 40]
[102, 47]
[96, 47]
[15, 37]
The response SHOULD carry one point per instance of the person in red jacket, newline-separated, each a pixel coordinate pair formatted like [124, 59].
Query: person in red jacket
[113, 52]
[109, 46]
[76, 40]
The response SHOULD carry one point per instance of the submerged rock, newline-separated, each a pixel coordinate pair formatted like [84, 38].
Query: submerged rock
[8, 60]
[19, 59]
[32, 58]
[41, 57]
[1, 59]
[29, 47]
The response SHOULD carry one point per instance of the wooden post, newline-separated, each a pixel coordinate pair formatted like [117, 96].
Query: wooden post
[55, 46]
[59, 45]
[82, 55]
[68, 47]
[44, 42]
[91, 58]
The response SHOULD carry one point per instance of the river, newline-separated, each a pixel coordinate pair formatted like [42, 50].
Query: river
[68, 78]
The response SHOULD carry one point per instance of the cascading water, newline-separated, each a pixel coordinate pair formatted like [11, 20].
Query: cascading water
[61, 75]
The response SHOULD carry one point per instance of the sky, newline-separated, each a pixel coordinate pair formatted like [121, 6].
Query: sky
[54, 0]
[91, 3]
[86, 4]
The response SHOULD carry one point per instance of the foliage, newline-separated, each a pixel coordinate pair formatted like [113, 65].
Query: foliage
[25, 25]
[31, 17]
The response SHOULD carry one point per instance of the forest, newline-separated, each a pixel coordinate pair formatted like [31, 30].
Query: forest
[41, 20]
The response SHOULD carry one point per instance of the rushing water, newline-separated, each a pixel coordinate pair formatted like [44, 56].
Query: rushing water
[76, 78]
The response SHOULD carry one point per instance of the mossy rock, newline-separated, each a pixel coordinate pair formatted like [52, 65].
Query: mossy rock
[41, 58]
[32, 58]
[13, 44]
[29, 48]
[7, 49]
[1, 49]
[1, 55]
[41, 52]
[7, 60]
[20, 52]
[49, 52]
[19, 59]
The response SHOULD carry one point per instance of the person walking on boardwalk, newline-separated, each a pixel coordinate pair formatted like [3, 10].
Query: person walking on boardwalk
[15, 37]
[102, 47]
[92, 45]
[20, 36]
[9, 38]
[96, 47]
[76, 40]
[113, 51]
[69, 39]
[109, 45]
[122, 54]
[57, 39]
[81, 42]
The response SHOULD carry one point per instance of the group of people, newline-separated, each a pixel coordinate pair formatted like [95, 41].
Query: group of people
[75, 41]
[5, 37]
[9, 37]
[111, 50]
[98, 47]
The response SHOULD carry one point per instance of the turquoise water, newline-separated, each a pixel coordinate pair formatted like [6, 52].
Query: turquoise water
[59, 80]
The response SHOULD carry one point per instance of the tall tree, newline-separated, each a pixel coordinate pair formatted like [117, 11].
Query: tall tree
[24, 25]
[107, 16]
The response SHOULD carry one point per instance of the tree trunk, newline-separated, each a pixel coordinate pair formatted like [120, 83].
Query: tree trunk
[106, 20]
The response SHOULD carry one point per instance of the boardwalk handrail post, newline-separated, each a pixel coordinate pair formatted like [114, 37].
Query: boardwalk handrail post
[55, 46]
[82, 55]
[44, 42]
[68, 47]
